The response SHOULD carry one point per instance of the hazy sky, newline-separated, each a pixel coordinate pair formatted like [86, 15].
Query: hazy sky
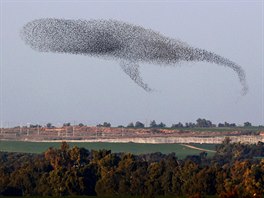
[48, 87]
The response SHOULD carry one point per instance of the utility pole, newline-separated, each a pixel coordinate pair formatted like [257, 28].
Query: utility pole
[58, 126]
[20, 129]
[27, 129]
[38, 129]
[146, 123]
[73, 128]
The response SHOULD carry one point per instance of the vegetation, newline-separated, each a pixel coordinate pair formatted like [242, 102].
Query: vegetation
[139, 125]
[67, 124]
[80, 124]
[130, 125]
[236, 170]
[49, 126]
[247, 124]
[153, 124]
[105, 124]
[201, 123]
[226, 124]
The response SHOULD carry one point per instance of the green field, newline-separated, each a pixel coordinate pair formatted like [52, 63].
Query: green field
[205, 146]
[135, 148]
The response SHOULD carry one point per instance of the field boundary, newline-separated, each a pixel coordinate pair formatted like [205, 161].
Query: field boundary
[197, 148]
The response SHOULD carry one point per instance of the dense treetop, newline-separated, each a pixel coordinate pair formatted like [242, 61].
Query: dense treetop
[236, 170]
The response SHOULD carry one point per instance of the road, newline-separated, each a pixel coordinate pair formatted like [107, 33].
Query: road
[200, 149]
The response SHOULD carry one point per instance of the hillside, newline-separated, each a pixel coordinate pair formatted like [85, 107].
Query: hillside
[139, 135]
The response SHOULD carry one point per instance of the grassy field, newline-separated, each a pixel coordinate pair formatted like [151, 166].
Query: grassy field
[135, 148]
[205, 146]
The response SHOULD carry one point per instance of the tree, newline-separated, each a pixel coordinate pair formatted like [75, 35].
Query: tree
[58, 157]
[153, 184]
[57, 180]
[34, 126]
[67, 124]
[189, 125]
[130, 125]
[179, 125]
[139, 125]
[227, 124]
[105, 124]
[161, 125]
[221, 125]
[108, 182]
[49, 126]
[81, 125]
[25, 179]
[153, 124]
[247, 124]
[203, 123]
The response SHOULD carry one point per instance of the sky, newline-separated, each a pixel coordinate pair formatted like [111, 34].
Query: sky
[48, 87]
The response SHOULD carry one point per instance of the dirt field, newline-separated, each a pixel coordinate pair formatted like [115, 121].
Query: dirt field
[142, 135]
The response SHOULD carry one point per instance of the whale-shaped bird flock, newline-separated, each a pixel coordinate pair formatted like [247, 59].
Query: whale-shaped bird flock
[127, 43]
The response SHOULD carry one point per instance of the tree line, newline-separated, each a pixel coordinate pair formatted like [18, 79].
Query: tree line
[200, 123]
[236, 170]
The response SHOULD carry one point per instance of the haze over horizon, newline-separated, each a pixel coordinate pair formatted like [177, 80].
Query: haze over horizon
[58, 88]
